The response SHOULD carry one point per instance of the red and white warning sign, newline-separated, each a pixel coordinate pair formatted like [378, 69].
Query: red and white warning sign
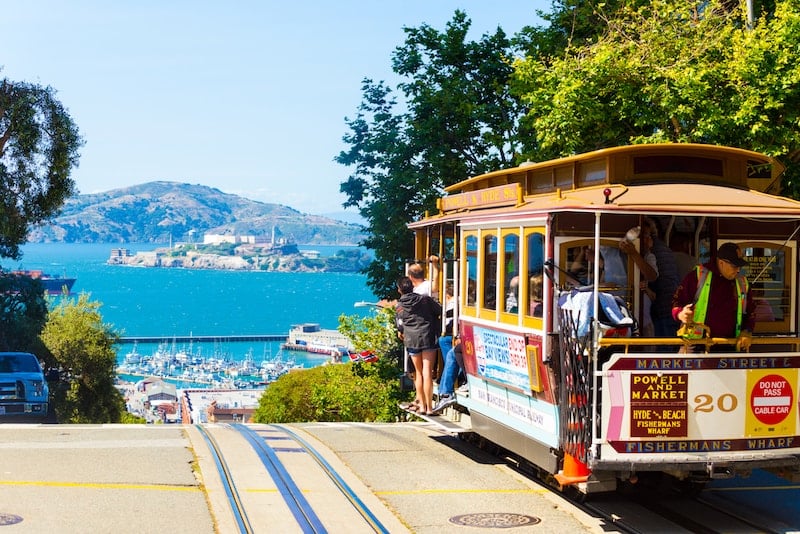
[771, 399]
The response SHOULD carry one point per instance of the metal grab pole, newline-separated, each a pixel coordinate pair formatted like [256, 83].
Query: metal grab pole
[595, 333]
[444, 297]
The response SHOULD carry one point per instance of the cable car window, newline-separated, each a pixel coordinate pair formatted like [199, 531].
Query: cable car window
[490, 272]
[577, 257]
[511, 273]
[471, 249]
[768, 271]
[615, 266]
[535, 251]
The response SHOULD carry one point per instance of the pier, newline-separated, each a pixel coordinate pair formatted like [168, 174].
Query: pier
[205, 339]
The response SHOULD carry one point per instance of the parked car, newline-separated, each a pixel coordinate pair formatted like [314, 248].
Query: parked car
[24, 393]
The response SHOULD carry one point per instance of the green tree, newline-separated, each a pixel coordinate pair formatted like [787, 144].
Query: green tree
[457, 119]
[381, 155]
[667, 71]
[570, 23]
[38, 148]
[83, 348]
[375, 332]
[23, 314]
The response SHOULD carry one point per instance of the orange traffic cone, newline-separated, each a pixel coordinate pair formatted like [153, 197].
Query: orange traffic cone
[574, 471]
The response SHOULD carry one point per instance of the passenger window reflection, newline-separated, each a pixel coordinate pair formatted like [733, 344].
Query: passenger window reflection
[536, 291]
[511, 273]
[512, 295]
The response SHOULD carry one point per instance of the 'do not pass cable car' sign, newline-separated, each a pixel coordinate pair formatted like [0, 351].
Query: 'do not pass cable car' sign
[771, 402]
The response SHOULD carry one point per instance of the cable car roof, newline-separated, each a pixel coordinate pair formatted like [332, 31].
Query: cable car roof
[674, 178]
[672, 198]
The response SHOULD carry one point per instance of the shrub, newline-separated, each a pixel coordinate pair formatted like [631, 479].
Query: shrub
[333, 393]
[357, 391]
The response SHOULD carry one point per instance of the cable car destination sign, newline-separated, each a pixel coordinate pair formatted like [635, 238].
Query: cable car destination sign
[502, 195]
[702, 403]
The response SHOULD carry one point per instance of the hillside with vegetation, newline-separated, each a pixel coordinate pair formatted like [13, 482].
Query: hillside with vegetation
[160, 212]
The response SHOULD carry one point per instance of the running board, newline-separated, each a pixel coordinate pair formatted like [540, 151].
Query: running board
[449, 420]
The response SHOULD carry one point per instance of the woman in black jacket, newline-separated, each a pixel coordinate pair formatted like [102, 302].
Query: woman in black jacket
[418, 318]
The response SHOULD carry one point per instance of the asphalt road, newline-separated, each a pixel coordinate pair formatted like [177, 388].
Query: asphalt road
[157, 478]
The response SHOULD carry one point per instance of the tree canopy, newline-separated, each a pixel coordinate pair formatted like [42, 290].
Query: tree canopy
[457, 119]
[39, 145]
[599, 74]
[668, 71]
[83, 348]
[23, 313]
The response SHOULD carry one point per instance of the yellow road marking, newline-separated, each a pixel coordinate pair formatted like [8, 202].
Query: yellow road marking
[111, 485]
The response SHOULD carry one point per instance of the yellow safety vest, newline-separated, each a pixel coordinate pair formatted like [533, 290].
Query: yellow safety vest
[704, 290]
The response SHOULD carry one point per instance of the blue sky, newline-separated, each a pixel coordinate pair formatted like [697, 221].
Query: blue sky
[249, 96]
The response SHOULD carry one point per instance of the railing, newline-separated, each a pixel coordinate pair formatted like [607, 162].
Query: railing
[628, 342]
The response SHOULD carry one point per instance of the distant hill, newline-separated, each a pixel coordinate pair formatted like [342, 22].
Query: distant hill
[346, 216]
[157, 212]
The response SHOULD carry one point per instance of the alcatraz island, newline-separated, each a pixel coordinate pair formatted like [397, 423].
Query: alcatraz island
[241, 253]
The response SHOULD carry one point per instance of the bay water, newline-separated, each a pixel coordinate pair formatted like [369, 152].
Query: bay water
[164, 302]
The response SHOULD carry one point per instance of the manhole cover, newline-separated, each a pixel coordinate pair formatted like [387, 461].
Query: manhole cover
[494, 520]
[9, 519]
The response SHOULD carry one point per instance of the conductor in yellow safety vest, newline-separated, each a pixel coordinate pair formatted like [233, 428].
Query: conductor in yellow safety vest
[718, 295]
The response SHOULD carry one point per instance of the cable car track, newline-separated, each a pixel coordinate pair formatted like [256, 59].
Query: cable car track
[287, 471]
[659, 513]
[658, 504]
[239, 514]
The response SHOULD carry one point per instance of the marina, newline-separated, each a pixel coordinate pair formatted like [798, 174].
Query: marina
[189, 368]
[185, 361]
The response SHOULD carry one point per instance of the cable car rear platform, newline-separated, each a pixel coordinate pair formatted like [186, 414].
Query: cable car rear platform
[452, 420]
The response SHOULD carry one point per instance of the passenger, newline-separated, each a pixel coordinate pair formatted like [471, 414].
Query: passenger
[422, 285]
[718, 296]
[418, 322]
[681, 245]
[664, 323]
[512, 303]
[648, 296]
[764, 313]
[472, 292]
[536, 291]
[453, 366]
[646, 261]
[446, 339]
